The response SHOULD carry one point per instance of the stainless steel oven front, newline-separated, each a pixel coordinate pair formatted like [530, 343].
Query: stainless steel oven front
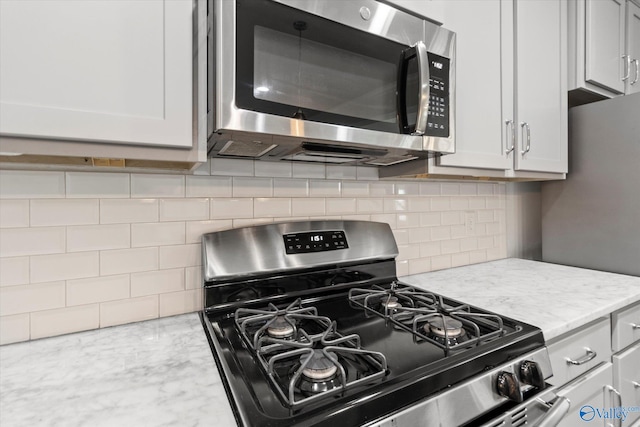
[350, 73]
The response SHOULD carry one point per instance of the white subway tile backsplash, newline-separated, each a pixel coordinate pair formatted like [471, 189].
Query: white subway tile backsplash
[180, 256]
[184, 209]
[14, 213]
[150, 186]
[271, 207]
[44, 268]
[98, 237]
[231, 167]
[157, 282]
[97, 185]
[31, 241]
[97, 289]
[341, 206]
[310, 206]
[64, 320]
[193, 278]
[231, 208]
[324, 188]
[208, 186]
[129, 310]
[283, 187]
[45, 212]
[31, 184]
[309, 170]
[273, 169]
[175, 303]
[28, 298]
[14, 271]
[157, 234]
[195, 229]
[128, 261]
[341, 172]
[120, 211]
[370, 205]
[252, 187]
[127, 247]
[14, 328]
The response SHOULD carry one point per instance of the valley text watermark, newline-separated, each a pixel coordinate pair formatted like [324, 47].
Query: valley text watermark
[590, 413]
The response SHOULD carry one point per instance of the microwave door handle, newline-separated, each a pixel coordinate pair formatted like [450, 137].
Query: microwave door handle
[419, 51]
[423, 103]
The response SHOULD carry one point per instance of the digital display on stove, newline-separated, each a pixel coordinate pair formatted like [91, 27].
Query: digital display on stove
[315, 241]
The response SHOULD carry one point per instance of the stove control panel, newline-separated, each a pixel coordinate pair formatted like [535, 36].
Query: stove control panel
[315, 241]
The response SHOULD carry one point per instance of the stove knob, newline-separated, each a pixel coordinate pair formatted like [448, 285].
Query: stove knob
[509, 386]
[531, 374]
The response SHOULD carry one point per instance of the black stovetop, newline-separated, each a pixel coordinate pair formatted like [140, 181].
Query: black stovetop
[415, 368]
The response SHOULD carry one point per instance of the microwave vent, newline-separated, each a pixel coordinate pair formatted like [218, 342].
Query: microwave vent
[246, 148]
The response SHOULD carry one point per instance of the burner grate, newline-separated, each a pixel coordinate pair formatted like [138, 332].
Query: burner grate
[298, 353]
[410, 309]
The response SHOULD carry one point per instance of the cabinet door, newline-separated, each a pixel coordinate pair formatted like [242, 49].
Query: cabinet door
[541, 85]
[588, 395]
[110, 71]
[633, 46]
[626, 379]
[481, 134]
[604, 43]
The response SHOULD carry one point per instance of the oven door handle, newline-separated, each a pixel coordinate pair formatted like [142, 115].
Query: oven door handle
[557, 412]
[419, 51]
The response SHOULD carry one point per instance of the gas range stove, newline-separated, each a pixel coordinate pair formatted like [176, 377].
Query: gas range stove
[310, 326]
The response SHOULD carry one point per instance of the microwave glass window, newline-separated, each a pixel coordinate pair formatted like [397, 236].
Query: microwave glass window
[295, 64]
[291, 70]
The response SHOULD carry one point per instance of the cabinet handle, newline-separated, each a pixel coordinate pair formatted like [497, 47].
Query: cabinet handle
[509, 124]
[589, 356]
[617, 393]
[628, 72]
[636, 384]
[524, 125]
[635, 61]
[634, 326]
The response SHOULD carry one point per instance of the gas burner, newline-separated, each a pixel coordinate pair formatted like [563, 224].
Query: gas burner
[445, 330]
[281, 327]
[390, 303]
[319, 374]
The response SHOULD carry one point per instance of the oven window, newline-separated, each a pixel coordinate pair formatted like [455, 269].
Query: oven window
[291, 63]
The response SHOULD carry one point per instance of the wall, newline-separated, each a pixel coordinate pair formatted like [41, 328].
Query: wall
[524, 220]
[84, 250]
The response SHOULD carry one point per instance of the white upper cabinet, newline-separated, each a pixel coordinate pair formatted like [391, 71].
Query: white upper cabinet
[541, 86]
[102, 70]
[604, 48]
[511, 89]
[633, 48]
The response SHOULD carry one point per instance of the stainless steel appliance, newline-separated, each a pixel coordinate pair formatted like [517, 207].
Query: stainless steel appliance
[592, 218]
[329, 81]
[309, 325]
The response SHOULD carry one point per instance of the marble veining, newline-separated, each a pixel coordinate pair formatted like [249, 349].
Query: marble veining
[555, 298]
[155, 373]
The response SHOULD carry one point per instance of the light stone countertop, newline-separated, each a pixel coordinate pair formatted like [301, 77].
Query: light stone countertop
[162, 372]
[555, 298]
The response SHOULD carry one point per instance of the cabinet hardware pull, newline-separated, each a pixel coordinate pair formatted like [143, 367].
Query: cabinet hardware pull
[636, 384]
[524, 125]
[635, 61]
[628, 72]
[617, 393]
[589, 356]
[509, 124]
[634, 325]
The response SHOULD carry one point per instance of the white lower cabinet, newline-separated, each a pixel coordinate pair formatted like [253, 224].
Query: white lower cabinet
[626, 379]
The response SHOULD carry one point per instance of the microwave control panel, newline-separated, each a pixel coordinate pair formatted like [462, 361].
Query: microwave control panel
[317, 241]
[438, 117]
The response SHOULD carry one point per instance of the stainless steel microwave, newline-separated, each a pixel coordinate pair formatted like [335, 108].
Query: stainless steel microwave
[355, 81]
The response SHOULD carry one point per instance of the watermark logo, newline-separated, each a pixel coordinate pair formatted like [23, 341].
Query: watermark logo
[589, 413]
